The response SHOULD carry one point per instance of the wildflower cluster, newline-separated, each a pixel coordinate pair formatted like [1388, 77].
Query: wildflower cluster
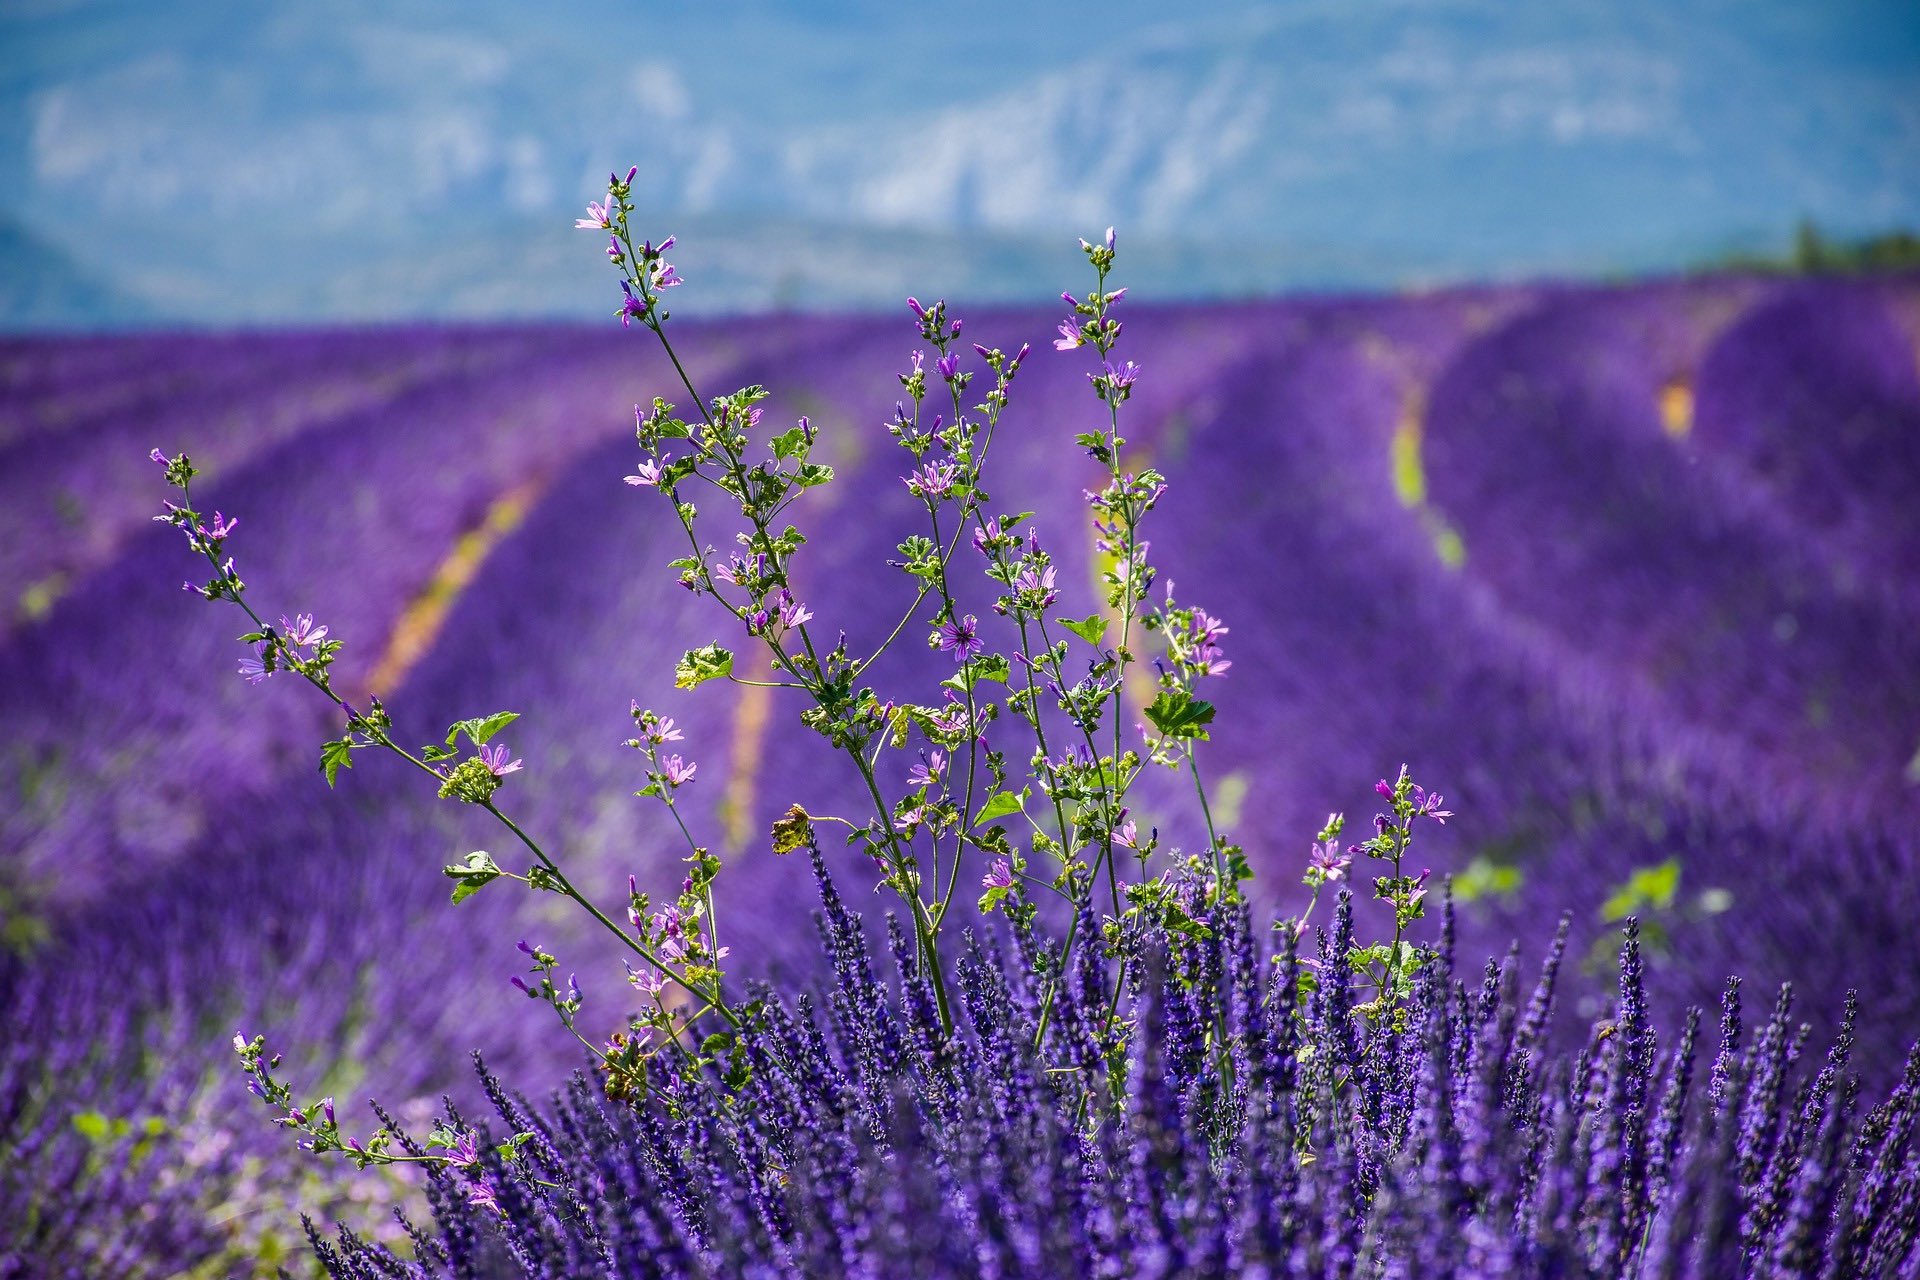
[448, 1148]
[1136, 1071]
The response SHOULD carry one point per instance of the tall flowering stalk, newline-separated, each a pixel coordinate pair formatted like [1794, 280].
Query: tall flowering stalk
[1143, 1019]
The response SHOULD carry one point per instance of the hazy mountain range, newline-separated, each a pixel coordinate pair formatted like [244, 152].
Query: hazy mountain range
[216, 163]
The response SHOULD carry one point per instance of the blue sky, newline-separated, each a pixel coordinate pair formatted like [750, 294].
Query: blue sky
[220, 163]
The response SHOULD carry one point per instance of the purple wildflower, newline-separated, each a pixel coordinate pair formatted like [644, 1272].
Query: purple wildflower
[676, 771]
[999, 876]
[1426, 804]
[932, 480]
[599, 216]
[300, 632]
[255, 669]
[480, 1194]
[635, 307]
[927, 773]
[960, 638]
[495, 758]
[1328, 860]
[648, 473]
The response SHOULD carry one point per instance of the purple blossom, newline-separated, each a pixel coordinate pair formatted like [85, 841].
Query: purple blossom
[255, 668]
[999, 876]
[300, 632]
[949, 364]
[1039, 584]
[928, 772]
[648, 473]
[1329, 860]
[634, 307]
[599, 216]
[495, 758]
[1070, 336]
[960, 638]
[675, 771]
[465, 1151]
[932, 480]
[1427, 804]
[480, 1194]
[792, 612]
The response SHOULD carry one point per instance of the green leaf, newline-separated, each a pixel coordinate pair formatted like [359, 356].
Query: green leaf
[988, 666]
[335, 756]
[468, 877]
[480, 728]
[709, 662]
[492, 725]
[1000, 805]
[812, 474]
[1093, 630]
[790, 444]
[1177, 714]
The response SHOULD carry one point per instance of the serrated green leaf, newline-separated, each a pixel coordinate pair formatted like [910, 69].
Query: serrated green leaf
[470, 876]
[1092, 629]
[335, 756]
[812, 474]
[1177, 714]
[790, 444]
[1000, 805]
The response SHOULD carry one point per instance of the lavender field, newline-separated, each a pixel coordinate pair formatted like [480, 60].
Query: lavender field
[1632, 574]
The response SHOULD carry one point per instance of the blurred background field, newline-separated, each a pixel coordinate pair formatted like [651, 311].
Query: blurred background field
[1540, 396]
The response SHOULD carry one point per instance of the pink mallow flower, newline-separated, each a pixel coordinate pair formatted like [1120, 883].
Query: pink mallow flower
[495, 758]
[999, 876]
[599, 216]
[1426, 804]
[1328, 860]
[300, 632]
[676, 771]
[649, 472]
[961, 638]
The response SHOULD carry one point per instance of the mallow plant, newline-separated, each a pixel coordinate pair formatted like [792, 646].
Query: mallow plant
[1086, 1060]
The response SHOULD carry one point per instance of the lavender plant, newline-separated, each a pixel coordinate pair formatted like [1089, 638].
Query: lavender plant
[1129, 1057]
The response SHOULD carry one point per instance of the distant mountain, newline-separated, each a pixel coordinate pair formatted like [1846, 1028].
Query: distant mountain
[364, 160]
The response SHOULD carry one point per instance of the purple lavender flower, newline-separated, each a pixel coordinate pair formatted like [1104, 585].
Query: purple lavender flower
[948, 365]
